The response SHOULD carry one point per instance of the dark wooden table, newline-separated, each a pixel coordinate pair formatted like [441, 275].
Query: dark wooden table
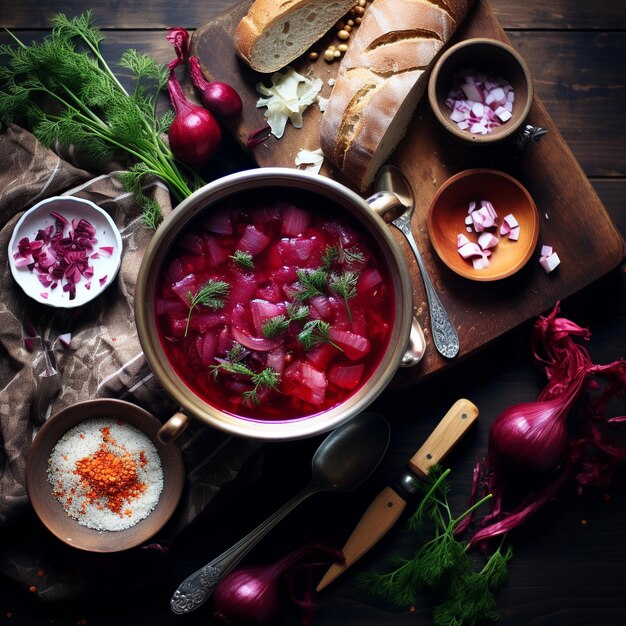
[569, 566]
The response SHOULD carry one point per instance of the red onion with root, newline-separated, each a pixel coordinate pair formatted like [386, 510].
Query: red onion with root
[219, 98]
[536, 445]
[252, 595]
[194, 135]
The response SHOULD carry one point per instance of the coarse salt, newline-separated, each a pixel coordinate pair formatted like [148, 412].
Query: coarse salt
[133, 466]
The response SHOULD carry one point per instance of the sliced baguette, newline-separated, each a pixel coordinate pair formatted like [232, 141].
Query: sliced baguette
[275, 32]
[380, 80]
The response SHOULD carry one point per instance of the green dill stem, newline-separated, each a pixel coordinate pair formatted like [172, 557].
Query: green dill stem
[156, 168]
[428, 495]
[472, 508]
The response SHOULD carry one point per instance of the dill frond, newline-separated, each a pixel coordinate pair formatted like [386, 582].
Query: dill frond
[275, 325]
[151, 214]
[243, 259]
[312, 283]
[211, 295]
[313, 332]
[441, 565]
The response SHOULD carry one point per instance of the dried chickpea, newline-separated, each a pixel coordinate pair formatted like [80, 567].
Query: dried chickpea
[342, 47]
[358, 20]
[343, 35]
[337, 54]
[329, 55]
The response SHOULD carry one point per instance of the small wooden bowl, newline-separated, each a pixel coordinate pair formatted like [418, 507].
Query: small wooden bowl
[485, 55]
[449, 208]
[50, 510]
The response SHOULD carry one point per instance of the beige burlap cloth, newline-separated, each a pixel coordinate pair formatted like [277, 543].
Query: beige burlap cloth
[104, 358]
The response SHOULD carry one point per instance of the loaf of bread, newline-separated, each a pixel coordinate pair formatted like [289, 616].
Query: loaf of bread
[275, 32]
[380, 80]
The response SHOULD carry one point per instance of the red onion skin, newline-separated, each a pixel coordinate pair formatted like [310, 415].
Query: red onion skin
[195, 134]
[219, 98]
[251, 595]
[179, 38]
[248, 596]
[531, 437]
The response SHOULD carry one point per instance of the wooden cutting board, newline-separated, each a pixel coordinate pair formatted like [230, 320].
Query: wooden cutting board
[573, 220]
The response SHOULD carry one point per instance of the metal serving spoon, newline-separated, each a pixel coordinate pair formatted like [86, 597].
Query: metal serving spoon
[344, 460]
[444, 334]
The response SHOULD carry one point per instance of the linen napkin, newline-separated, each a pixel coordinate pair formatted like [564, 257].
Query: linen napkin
[104, 357]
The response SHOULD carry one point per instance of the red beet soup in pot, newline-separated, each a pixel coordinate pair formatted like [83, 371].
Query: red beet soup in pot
[274, 308]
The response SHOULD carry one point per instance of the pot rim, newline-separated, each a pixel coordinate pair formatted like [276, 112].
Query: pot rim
[216, 191]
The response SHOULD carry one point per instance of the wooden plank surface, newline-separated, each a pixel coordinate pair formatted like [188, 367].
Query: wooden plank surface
[566, 201]
[568, 565]
[559, 15]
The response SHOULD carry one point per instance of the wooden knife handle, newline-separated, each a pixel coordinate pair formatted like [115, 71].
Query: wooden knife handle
[450, 429]
[379, 517]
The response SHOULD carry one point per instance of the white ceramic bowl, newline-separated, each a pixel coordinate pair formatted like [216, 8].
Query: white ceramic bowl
[105, 265]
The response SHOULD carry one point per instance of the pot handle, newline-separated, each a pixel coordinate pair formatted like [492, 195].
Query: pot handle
[382, 202]
[173, 428]
[416, 346]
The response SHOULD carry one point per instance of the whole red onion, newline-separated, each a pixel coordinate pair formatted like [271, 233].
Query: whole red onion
[195, 134]
[220, 98]
[249, 595]
[531, 437]
[252, 595]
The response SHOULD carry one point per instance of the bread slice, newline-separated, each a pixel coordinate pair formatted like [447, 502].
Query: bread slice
[275, 32]
[380, 80]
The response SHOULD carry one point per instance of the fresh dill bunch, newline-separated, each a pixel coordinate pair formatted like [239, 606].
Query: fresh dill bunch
[313, 283]
[470, 598]
[313, 332]
[344, 284]
[64, 91]
[211, 295]
[243, 259]
[441, 564]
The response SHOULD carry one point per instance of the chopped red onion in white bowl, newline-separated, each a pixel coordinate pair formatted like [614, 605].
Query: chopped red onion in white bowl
[65, 251]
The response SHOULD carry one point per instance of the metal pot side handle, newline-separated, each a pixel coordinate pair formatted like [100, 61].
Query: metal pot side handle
[416, 346]
[173, 428]
[383, 203]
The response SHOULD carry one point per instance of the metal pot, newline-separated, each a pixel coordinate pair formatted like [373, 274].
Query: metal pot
[329, 191]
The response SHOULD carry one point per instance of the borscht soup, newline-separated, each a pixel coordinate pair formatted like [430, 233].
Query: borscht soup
[274, 305]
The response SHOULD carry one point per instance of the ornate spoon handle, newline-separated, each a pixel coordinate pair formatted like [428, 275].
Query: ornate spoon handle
[199, 586]
[445, 337]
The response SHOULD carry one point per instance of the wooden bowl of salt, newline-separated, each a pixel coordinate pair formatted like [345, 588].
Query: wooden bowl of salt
[99, 478]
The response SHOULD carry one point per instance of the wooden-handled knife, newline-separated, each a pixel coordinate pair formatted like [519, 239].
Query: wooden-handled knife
[387, 507]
